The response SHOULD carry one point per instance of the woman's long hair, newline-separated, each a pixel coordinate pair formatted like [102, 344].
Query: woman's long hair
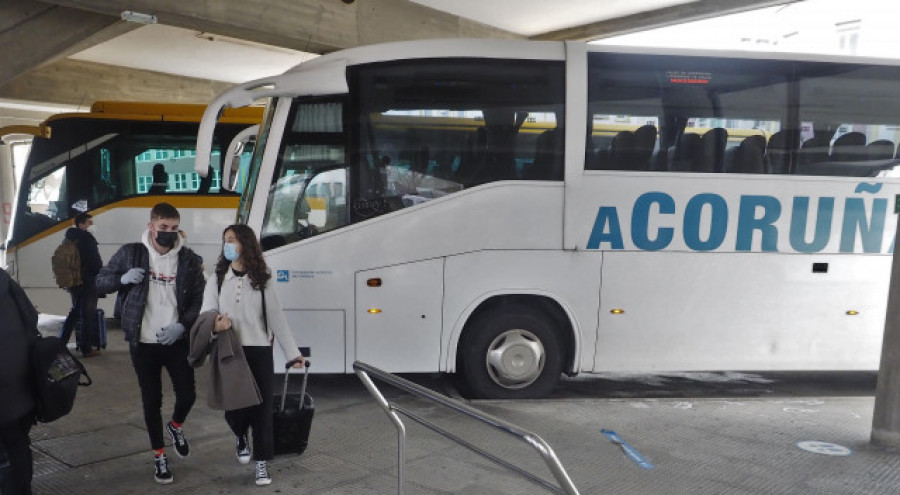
[251, 257]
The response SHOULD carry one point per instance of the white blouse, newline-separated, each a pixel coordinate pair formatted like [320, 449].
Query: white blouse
[243, 306]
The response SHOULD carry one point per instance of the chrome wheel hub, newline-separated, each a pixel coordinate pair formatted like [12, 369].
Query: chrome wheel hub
[515, 359]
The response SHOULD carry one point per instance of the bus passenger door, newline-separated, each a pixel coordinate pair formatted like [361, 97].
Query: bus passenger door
[398, 316]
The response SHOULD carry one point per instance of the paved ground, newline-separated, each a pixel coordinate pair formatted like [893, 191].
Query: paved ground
[715, 442]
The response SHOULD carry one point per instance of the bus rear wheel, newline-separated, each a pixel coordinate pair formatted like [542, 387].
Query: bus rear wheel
[511, 353]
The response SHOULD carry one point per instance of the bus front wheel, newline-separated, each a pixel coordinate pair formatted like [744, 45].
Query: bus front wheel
[511, 353]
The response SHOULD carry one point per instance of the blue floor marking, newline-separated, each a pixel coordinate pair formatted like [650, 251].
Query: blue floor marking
[628, 449]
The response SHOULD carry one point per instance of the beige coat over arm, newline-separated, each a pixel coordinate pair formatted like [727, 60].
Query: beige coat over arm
[231, 384]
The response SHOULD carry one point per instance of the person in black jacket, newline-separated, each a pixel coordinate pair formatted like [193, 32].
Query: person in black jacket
[84, 296]
[160, 180]
[17, 407]
[163, 283]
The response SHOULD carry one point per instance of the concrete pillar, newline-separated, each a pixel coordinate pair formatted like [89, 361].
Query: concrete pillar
[886, 417]
[7, 192]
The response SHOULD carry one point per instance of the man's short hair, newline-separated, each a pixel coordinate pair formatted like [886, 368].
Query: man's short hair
[164, 210]
[81, 218]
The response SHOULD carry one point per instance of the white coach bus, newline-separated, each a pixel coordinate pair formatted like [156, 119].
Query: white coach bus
[512, 211]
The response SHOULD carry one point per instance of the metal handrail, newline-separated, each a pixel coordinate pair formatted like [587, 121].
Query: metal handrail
[363, 371]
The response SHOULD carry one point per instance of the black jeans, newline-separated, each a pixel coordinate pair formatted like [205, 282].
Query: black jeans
[84, 313]
[15, 479]
[148, 361]
[258, 417]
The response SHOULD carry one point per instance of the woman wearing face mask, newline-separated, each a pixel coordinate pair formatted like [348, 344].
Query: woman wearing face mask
[241, 294]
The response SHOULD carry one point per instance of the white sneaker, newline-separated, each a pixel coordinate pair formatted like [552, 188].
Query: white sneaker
[243, 449]
[262, 474]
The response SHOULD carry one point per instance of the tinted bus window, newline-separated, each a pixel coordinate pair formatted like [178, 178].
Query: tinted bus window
[683, 114]
[850, 120]
[432, 128]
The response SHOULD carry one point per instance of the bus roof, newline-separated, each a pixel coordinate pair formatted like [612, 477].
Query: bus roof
[542, 50]
[165, 112]
[440, 48]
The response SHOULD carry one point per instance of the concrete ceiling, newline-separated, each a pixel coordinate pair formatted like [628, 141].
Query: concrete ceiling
[68, 53]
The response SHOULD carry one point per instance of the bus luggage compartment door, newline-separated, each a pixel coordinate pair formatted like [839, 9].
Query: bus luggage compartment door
[398, 316]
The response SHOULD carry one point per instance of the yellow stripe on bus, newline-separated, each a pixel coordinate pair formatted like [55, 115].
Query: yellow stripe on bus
[147, 201]
[167, 112]
[32, 130]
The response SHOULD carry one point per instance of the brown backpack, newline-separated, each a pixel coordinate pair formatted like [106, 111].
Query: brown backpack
[66, 262]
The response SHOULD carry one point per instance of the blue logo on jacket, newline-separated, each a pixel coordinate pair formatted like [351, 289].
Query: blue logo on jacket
[283, 275]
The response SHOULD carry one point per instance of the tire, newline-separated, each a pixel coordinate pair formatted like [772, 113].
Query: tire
[512, 352]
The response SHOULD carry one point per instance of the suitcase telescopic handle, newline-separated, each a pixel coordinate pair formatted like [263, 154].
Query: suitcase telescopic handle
[287, 374]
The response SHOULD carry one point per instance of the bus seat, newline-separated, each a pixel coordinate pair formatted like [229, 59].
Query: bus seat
[882, 149]
[813, 151]
[712, 150]
[686, 153]
[548, 157]
[747, 158]
[622, 152]
[778, 151]
[601, 143]
[660, 160]
[498, 161]
[473, 156]
[415, 152]
[735, 154]
[596, 153]
[645, 143]
[758, 139]
[850, 147]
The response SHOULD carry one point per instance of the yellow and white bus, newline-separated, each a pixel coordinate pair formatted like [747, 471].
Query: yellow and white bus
[102, 162]
[511, 211]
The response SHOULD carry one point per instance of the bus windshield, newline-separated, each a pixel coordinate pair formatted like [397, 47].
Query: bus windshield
[313, 143]
[91, 161]
[114, 163]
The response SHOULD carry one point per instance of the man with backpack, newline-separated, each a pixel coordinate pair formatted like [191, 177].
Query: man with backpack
[85, 264]
[161, 284]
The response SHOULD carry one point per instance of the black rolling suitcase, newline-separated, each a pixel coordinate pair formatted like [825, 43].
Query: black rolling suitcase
[293, 417]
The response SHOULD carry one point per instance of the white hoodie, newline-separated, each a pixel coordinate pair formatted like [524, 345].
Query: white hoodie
[162, 306]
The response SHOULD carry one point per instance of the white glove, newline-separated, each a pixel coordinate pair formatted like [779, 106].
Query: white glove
[169, 334]
[133, 276]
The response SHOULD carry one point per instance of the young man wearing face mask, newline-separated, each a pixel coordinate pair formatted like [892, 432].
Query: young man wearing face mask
[84, 296]
[164, 282]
